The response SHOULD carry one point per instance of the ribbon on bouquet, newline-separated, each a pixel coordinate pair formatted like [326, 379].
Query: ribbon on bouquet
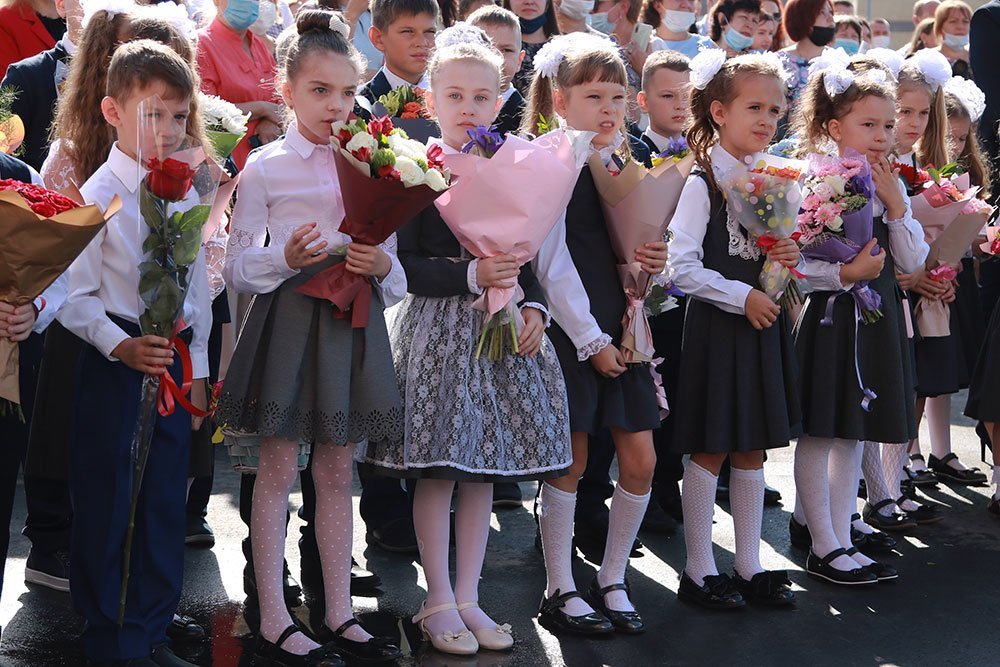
[169, 392]
[661, 393]
[867, 394]
[350, 293]
[637, 337]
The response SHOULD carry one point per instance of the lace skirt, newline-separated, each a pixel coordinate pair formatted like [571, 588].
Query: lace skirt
[470, 419]
[300, 374]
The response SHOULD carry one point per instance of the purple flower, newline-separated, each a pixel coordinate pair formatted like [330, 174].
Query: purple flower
[861, 185]
[484, 141]
[676, 148]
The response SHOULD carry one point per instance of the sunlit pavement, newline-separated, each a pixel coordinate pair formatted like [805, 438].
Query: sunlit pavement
[942, 611]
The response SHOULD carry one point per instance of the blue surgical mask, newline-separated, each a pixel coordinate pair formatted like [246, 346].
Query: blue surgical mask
[600, 22]
[848, 45]
[736, 40]
[957, 42]
[241, 14]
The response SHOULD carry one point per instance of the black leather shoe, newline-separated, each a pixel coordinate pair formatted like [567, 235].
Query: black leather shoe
[163, 657]
[820, 567]
[717, 592]
[396, 536]
[134, 662]
[943, 471]
[199, 533]
[894, 522]
[770, 588]
[924, 513]
[185, 629]
[376, 649]
[552, 616]
[881, 571]
[362, 581]
[626, 622]
[799, 534]
[772, 497]
[922, 477]
[506, 494]
[656, 520]
[267, 654]
[874, 542]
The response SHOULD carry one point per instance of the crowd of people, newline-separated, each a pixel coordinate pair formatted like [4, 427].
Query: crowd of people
[439, 435]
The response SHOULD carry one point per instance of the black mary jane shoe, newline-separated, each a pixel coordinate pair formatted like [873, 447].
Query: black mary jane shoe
[626, 622]
[374, 650]
[881, 571]
[552, 616]
[922, 477]
[968, 477]
[716, 593]
[820, 567]
[267, 654]
[874, 542]
[799, 534]
[924, 514]
[770, 588]
[894, 522]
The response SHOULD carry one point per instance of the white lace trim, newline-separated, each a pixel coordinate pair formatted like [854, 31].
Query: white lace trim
[472, 277]
[740, 244]
[241, 238]
[58, 171]
[539, 307]
[593, 347]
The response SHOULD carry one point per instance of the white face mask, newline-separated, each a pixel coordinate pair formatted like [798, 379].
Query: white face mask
[956, 41]
[267, 16]
[676, 21]
[576, 10]
[881, 41]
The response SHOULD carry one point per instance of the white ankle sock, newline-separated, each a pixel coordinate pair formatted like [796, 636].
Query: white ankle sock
[698, 503]
[813, 483]
[555, 522]
[627, 510]
[746, 497]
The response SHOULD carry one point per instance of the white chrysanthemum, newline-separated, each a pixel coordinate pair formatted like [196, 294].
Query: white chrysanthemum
[409, 171]
[892, 60]
[933, 65]
[435, 180]
[408, 148]
[362, 140]
[220, 114]
[461, 33]
[112, 7]
[969, 94]
[705, 66]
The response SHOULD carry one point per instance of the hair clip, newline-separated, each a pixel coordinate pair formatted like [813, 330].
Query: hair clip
[705, 66]
[337, 25]
[969, 94]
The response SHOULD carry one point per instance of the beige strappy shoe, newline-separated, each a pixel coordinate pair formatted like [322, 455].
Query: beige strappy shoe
[497, 638]
[460, 643]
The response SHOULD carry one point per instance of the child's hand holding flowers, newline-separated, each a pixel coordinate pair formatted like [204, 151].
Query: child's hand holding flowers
[368, 260]
[529, 342]
[652, 257]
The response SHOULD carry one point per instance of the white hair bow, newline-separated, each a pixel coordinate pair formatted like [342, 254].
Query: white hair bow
[111, 7]
[705, 66]
[934, 66]
[969, 94]
[337, 25]
[461, 33]
[892, 60]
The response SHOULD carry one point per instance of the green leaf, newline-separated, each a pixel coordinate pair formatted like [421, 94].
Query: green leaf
[195, 218]
[186, 249]
[150, 208]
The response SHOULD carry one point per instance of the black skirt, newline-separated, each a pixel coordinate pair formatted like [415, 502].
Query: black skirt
[737, 389]
[940, 360]
[971, 317]
[984, 386]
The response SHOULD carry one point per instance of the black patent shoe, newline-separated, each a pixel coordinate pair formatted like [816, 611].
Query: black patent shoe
[894, 522]
[770, 588]
[184, 629]
[716, 593]
[552, 616]
[376, 649]
[924, 513]
[922, 477]
[267, 654]
[874, 542]
[799, 534]
[626, 622]
[968, 477]
[881, 571]
[820, 567]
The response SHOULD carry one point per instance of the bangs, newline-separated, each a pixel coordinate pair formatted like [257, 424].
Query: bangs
[605, 67]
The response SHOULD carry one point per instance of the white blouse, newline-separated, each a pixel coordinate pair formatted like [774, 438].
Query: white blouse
[286, 184]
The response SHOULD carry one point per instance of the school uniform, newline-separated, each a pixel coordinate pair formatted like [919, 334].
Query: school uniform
[737, 388]
[478, 420]
[383, 83]
[103, 309]
[832, 357]
[983, 403]
[511, 113]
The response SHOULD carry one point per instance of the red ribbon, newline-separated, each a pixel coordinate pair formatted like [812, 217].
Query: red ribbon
[766, 242]
[169, 391]
[350, 293]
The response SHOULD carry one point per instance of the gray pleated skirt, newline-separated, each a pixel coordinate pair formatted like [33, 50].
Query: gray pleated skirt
[300, 374]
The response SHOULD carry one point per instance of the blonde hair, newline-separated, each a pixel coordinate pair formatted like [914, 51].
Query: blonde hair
[586, 58]
[466, 52]
[817, 107]
[723, 88]
[971, 156]
[944, 10]
[932, 148]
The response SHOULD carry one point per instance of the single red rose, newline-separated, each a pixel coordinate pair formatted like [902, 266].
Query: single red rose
[170, 179]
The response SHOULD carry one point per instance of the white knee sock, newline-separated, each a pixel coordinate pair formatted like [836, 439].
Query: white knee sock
[555, 522]
[813, 484]
[845, 457]
[275, 475]
[627, 510]
[746, 497]
[877, 479]
[472, 531]
[332, 471]
[698, 502]
[432, 524]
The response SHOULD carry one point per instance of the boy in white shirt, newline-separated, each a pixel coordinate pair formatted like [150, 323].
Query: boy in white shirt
[103, 309]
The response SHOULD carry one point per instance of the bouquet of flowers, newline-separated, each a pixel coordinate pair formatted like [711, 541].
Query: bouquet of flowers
[11, 125]
[41, 233]
[835, 221]
[225, 124]
[543, 172]
[385, 179]
[177, 188]
[939, 201]
[765, 200]
[638, 205]
[676, 150]
[407, 108]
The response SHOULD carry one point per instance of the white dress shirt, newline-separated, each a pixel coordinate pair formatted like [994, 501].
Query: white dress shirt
[285, 184]
[395, 81]
[658, 140]
[104, 279]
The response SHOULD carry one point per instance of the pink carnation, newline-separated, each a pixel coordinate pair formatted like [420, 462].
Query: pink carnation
[811, 202]
[827, 212]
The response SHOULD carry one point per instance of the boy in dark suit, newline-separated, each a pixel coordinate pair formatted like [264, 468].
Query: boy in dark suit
[504, 30]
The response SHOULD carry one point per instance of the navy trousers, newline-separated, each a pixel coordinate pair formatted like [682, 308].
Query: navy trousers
[100, 482]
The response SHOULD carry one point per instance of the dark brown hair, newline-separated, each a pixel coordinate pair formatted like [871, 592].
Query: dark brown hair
[844, 19]
[971, 156]
[313, 34]
[728, 8]
[386, 12]
[800, 17]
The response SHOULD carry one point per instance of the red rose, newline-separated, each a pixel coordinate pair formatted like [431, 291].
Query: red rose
[43, 202]
[170, 179]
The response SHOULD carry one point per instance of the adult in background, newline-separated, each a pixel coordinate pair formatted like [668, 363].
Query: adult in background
[734, 25]
[538, 25]
[847, 35]
[775, 10]
[237, 66]
[845, 7]
[951, 28]
[809, 24]
[672, 21]
[924, 9]
[881, 34]
[923, 38]
[28, 27]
